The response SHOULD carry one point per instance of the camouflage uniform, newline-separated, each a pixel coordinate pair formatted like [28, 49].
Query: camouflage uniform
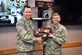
[53, 45]
[25, 37]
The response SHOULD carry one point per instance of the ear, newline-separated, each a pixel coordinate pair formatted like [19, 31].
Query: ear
[60, 19]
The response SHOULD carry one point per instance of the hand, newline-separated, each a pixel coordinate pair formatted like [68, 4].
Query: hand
[37, 32]
[39, 29]
[39, 39]
[45, 35]
[50, 35]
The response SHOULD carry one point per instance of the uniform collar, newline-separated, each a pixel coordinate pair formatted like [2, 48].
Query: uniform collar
[56, 27]
[28, 21]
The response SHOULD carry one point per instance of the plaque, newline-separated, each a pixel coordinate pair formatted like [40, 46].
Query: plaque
[41, 31]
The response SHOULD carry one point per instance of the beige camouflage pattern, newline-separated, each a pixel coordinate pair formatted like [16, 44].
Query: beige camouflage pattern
[53, 45]
[25, 36]
[30, 53]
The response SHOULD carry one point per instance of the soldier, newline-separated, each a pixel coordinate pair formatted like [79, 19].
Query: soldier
[56, 38]
[25, 36]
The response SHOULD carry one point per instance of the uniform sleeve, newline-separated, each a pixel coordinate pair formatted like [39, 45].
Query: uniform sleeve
[60, 38]
[25, 35]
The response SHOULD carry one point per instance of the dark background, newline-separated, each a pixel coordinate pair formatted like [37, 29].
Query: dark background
[70, 11]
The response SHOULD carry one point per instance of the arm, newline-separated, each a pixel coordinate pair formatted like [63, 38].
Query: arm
[25, 35]
[59, 38]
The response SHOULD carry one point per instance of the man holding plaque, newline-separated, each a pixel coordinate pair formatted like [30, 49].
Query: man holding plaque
[56, 38]
[25, 35]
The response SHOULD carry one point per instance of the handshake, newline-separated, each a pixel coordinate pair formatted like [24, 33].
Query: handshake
[42, 32]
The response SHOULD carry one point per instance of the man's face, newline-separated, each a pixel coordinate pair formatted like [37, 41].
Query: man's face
[56, 19]
[27, 13]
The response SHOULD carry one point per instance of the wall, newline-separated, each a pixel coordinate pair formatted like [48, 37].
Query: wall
[31, 3]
